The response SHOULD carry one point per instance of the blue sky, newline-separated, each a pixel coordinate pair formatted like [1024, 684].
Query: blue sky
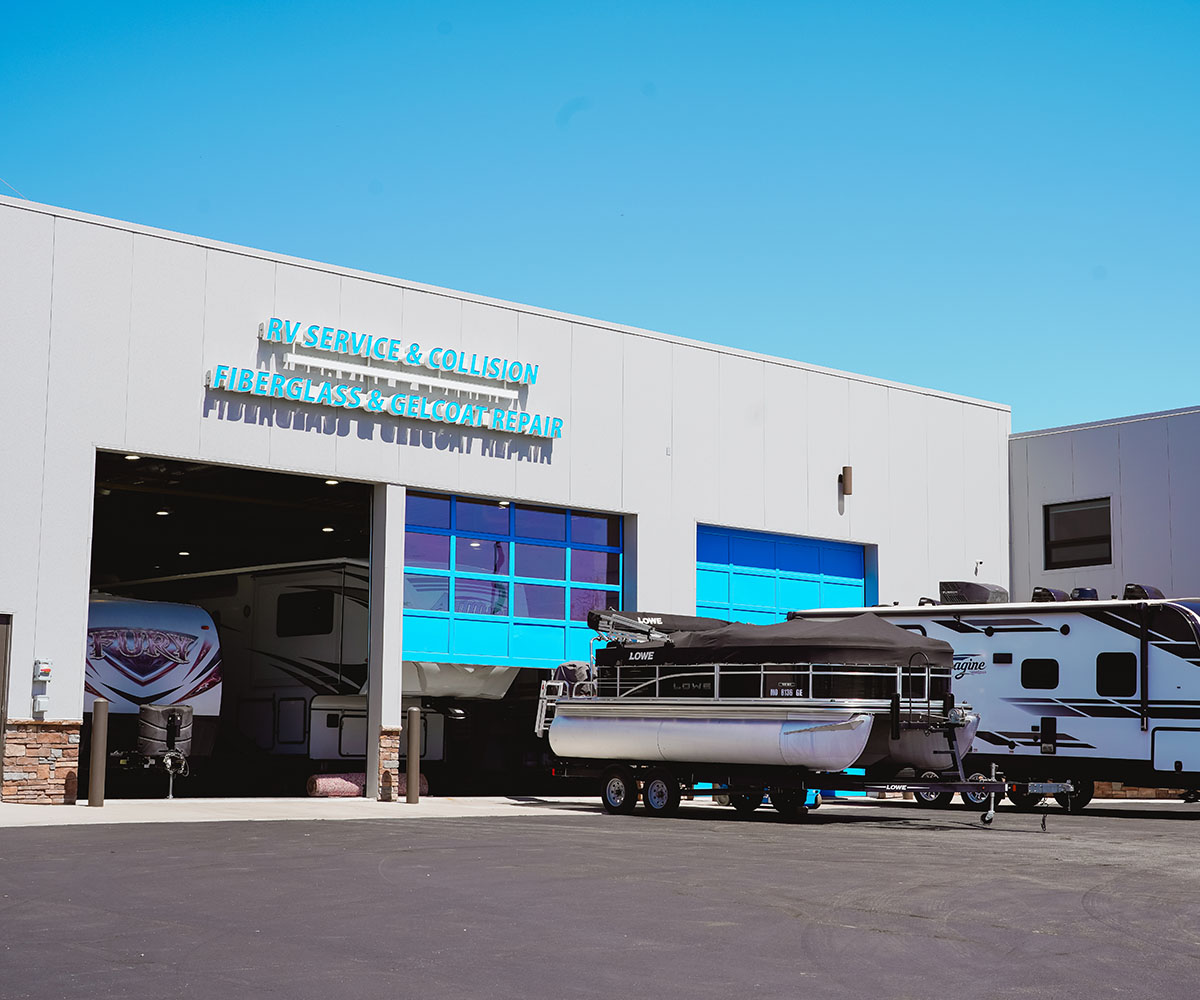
[1000, 200]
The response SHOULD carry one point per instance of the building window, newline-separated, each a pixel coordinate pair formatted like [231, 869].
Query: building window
[1116, 675]
[1039, 675]
[1078, 534]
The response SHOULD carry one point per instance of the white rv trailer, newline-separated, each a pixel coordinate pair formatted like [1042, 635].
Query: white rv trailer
[294, 639]
[1077, 691]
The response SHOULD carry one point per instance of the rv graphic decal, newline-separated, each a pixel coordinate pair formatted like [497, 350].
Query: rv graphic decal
[1012, 740]
[1106, 708]
[990, 626]
[144, 652]
[140, 651]
[968, 663]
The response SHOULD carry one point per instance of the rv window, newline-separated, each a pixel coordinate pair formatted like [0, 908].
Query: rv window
[1078, 534]
[1039, 674]
[306, 612]
[1116, 675]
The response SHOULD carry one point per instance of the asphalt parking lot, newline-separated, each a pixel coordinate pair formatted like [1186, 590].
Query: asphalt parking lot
[883, 900]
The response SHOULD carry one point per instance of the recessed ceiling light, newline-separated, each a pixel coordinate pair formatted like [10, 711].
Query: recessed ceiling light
[185, 553]
[474, 545]
[327, 529]
[162, 513]
[502, 503]
[331, 482]
[132, 458]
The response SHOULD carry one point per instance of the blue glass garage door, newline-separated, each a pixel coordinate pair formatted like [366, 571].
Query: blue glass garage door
[494, 582]
[752, 576]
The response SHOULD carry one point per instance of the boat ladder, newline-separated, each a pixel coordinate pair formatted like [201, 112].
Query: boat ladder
[547, 705]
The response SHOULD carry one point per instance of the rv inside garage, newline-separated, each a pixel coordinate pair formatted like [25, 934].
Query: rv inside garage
[280, 565]
[277, 568]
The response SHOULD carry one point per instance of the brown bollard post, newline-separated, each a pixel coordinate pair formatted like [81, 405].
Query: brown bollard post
[413, 772]
[99, 758]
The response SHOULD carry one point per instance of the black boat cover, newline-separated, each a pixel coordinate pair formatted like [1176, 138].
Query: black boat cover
[658, 621]
[865, 638]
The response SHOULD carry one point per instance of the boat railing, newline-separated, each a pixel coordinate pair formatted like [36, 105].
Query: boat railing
[916, 685]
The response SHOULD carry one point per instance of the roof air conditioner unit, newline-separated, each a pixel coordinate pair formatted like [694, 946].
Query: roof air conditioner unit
[1142, 592]
[969, 592]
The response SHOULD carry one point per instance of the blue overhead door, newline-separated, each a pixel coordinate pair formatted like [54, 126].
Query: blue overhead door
[495, 582]
[752, 576]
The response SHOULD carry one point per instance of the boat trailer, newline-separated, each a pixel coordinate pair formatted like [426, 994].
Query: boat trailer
[744, 786]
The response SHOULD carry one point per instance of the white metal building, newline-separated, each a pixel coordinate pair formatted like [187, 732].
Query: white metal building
[1104, 504]
[695, 476]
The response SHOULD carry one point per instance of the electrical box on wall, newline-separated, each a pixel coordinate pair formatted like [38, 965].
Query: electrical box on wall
[42, 670]
[41, 703]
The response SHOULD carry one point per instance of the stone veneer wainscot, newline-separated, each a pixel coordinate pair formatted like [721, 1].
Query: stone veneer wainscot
[41, 762]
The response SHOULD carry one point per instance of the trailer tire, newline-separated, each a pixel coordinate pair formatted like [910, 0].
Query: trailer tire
[1024, 801]
[789, 802]
[1078, 799]
[619, 792]
[975, 799]
[660, 792]
[744, 805]
[932, 800]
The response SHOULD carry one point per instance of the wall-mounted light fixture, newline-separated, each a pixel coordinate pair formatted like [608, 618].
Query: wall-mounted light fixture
[846, 480]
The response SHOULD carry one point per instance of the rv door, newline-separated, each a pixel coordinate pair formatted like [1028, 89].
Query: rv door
[296, 651]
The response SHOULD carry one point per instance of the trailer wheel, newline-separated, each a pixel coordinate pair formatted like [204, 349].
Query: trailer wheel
[932, 800]
[1076, 800]
[744, 805]
[661, 792]
[789, 802]
[975, 799]
[620, 792]
[1024, 801]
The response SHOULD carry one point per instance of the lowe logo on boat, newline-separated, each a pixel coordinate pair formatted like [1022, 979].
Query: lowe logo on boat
[968, 663]
[649, 621]
[641, 656]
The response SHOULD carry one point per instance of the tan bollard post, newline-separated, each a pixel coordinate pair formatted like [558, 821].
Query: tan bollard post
[413, 772]
[99, 758]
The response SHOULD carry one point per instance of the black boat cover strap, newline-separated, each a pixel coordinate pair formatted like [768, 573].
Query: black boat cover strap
[865, 638]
